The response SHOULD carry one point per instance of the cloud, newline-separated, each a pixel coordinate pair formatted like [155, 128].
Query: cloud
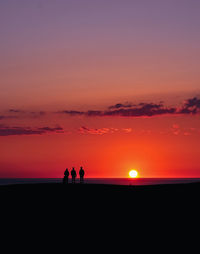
[9, 131]
[40, 113]
[6, 117]
[101, 131]
[127, 130]
[120, 105]
[15, 111]
[143, 109]
[94, 131]
[194, 102]
[190, 106]
[48, 129]
[71, 112]
[176, 129]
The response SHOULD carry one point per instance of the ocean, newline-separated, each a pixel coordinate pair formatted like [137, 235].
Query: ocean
[116, 181]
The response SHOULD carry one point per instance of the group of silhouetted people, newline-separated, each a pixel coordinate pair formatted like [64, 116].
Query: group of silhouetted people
[73, 175]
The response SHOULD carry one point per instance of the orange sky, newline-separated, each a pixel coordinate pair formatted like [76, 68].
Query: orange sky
[162, 146]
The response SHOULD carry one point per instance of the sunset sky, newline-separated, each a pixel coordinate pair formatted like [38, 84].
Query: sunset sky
[110, 85]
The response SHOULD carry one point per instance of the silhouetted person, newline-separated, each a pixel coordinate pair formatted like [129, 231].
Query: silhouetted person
[73, 174]
[81, 174]
[66, 175]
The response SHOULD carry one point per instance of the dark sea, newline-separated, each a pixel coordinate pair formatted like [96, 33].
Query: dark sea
[116, 181]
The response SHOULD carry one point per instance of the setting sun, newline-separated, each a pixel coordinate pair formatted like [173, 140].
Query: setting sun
[133, 173]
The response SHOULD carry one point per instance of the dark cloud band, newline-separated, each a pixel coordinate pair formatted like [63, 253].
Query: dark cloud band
[191, 106]
[9, 131]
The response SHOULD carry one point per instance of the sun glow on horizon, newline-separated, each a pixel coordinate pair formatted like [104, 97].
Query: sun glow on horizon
[133, 173]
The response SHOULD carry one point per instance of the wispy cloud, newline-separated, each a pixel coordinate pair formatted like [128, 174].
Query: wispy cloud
[96, 131]
[15, 111]
[127, 130]
[2, 117]
[9, 131]
[71, 112]
[101, 131]
[25, 113]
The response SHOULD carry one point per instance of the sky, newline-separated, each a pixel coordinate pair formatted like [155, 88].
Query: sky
[109, 85]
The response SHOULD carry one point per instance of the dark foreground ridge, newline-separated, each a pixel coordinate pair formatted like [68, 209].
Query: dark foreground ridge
[99, 208]
[91, 194]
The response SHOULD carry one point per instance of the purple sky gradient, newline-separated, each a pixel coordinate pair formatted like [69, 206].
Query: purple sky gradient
[84, 48]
